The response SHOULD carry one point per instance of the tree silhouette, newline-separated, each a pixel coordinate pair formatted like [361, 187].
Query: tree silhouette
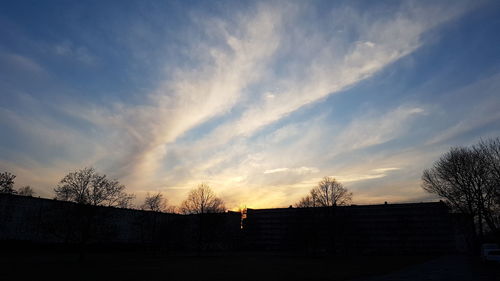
[328, 193]
[468, 178]
[155, 202]
[307, 201]
[26, 191]
[88, 187]
[7, 183]
[490, 149]
[202, 200]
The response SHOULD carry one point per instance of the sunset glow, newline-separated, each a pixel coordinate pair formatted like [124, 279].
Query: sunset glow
[260, 100]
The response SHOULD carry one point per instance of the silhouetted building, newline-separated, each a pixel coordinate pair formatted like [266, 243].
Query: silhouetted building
[388, 228]
[45, 221]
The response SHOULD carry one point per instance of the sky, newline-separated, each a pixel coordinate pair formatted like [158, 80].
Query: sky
[258, 99]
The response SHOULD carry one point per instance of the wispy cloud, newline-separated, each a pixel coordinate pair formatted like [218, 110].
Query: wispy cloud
[79, 53]
[241, 68]
[372, 174]
[206, 120]
[475, 114]
[300, 170]
[323, 71]
[22, 64]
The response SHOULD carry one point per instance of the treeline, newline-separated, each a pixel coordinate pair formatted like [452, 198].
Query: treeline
[88, 187]
[7, 185]
[468, 179]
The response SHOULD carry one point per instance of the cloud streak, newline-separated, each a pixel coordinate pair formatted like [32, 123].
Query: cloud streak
[226, 114]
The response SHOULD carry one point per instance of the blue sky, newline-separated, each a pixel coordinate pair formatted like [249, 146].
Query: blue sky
[258, 99]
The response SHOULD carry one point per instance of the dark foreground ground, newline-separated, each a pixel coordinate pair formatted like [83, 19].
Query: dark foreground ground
[444, 268]
[41, 265]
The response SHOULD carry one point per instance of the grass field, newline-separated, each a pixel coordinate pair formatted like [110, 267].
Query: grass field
[30, 265]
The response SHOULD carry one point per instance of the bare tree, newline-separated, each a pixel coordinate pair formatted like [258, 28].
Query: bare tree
[88, 187]
[467, 178]
[125, 201]
[491, 151]
[171, 209]
[26, 191]
[155, 202]
[202, 200]
[7, 183]
[328, 193]
[307, 202]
